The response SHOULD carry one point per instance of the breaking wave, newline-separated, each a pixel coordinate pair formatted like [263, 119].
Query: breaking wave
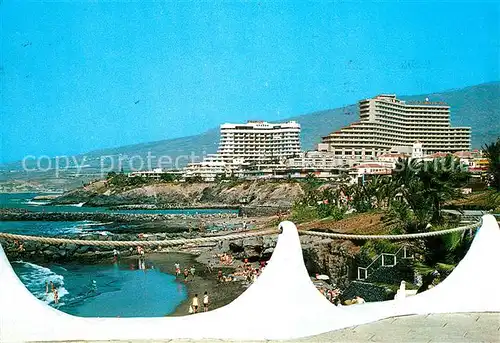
[35, 277]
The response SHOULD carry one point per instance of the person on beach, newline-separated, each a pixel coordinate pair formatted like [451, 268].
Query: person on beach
[46, 288]
[205, 302]
[56, 296]
[192, 270]
[359, 300]
[177, 269]
[195, 303]
[52, 287]
[220, 277]
[186, 274]
[336, 302]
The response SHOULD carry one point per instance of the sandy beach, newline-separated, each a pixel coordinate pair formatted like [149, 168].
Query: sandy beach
[220, 294]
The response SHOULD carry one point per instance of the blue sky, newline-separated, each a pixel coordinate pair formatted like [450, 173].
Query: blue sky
[71, 73]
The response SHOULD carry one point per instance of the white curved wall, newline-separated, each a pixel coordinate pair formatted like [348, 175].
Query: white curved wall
[282, 304]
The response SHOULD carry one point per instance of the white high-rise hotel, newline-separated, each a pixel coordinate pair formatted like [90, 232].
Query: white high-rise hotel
[259, 142]
[254, 143]
[387, 124]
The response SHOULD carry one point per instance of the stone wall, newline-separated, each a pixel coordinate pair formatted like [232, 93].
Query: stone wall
[403, 270]
[367, 291]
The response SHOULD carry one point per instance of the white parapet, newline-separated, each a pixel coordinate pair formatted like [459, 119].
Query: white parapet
[282, 304]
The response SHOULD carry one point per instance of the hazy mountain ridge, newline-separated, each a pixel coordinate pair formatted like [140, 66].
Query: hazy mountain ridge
[476, 106]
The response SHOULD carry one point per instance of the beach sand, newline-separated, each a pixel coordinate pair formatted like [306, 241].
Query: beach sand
[220, 294]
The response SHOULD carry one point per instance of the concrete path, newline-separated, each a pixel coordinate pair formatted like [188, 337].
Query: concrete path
[455, 327]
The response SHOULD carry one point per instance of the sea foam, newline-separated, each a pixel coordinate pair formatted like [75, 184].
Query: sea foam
[34, 278]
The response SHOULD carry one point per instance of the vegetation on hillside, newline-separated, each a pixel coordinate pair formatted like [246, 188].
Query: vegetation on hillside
[121, 180]
[411, 201]
[492, 153]
[413, 197]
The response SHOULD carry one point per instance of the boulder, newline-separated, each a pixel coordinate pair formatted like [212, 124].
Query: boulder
[71, 248]
[82, 249]
[31, 246]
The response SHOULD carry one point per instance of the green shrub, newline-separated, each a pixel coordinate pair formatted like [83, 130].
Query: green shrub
[330, 211]
[384, 246]
[168, 177]
[302, 213]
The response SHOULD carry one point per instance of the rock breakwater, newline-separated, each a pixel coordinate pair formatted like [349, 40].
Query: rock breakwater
[25, 215]
[44, 252]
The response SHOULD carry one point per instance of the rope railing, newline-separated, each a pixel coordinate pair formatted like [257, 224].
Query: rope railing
[145, 243]
[201, 240]
[334, 235]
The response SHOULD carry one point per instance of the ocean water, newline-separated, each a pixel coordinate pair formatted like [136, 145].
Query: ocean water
[25, 201]
[50, 228]
[121, 289]
[112, 290]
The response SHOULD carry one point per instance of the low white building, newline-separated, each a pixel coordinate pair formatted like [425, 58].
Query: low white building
[156, 173]
[391, 158]
[319, 160]
[211, 167]
[383, 168]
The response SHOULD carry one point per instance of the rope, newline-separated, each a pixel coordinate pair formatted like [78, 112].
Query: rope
[392, 237]
[201, 240]
[171, 242]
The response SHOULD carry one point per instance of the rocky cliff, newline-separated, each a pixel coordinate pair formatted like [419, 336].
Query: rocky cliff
[167, 195]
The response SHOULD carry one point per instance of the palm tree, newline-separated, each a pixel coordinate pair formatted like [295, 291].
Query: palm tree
[382, 190]
[441, 181]
[425, 186]
[361, 196]
[492, 153]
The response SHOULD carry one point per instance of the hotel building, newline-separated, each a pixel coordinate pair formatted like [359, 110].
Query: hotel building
[259, 142]
[388, 124]
[252, 145]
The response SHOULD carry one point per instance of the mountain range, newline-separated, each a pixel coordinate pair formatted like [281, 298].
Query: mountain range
[476, 106]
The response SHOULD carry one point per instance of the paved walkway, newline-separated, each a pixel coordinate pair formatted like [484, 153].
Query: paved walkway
[456, 327]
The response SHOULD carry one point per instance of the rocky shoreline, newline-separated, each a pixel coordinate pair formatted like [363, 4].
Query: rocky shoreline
[25, 215]
[335, 258]
[324, 256]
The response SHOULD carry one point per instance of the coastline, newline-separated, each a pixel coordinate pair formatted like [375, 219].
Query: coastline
[219, 294]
